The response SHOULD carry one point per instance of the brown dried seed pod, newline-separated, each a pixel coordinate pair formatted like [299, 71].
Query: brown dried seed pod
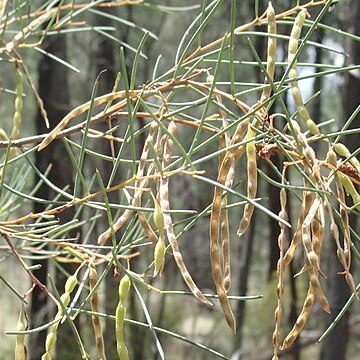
[252, 183]
[301, 320]
[224, 141]
[169, 228]
[308, 198]
[18, 105]
[280, 269]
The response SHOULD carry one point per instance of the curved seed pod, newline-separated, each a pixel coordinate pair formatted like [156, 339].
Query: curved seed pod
[252, 183]
[295, 90]
[20, 348]
[280, 269]
[215, 223]
[224, 141]
[344, 218]
[340, 253]
[301, 320]
[318, 292]
[168, 223]
[94, 302]
[308, 198]
[214, 242]
[18, 104]
[343, 256]
[225, 234]
[311, 257]
[271, 53]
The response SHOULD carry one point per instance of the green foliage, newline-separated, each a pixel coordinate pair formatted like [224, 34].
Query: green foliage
[211, 119]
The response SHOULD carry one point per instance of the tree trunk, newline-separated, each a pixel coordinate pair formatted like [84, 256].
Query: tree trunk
[334, 346]
[53, 89]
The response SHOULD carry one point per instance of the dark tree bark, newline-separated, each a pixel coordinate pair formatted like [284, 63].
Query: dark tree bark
[245, 256]
[53, 89]
[334, 347]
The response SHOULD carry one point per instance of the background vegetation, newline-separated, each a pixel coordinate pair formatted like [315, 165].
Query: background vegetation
[128, 127]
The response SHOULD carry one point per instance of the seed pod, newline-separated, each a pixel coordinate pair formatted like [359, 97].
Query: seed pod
[224, 142]
[158, 216]
[159, 256]
[292, 74]
[252, 183]
[308, 198]
[271, 53]
[168, 223]
[301, 320]
[20, 348]
[124, 287]
[65, 300]
[18, 104]
[344, 151]
[280, 269]
[350, 189]
[70, 284]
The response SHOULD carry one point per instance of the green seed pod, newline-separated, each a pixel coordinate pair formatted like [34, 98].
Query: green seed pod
[295, 90]
[3, 135]
[119, 331]
[119, 317]
[19, 83]
[122, 352]
[312, 127]
[341, 149]
[50, 341]
[350, 189]
[159, 257]
[124, 287]
[70, 284]
[20, 349]
[65, 299]
[158, 217]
